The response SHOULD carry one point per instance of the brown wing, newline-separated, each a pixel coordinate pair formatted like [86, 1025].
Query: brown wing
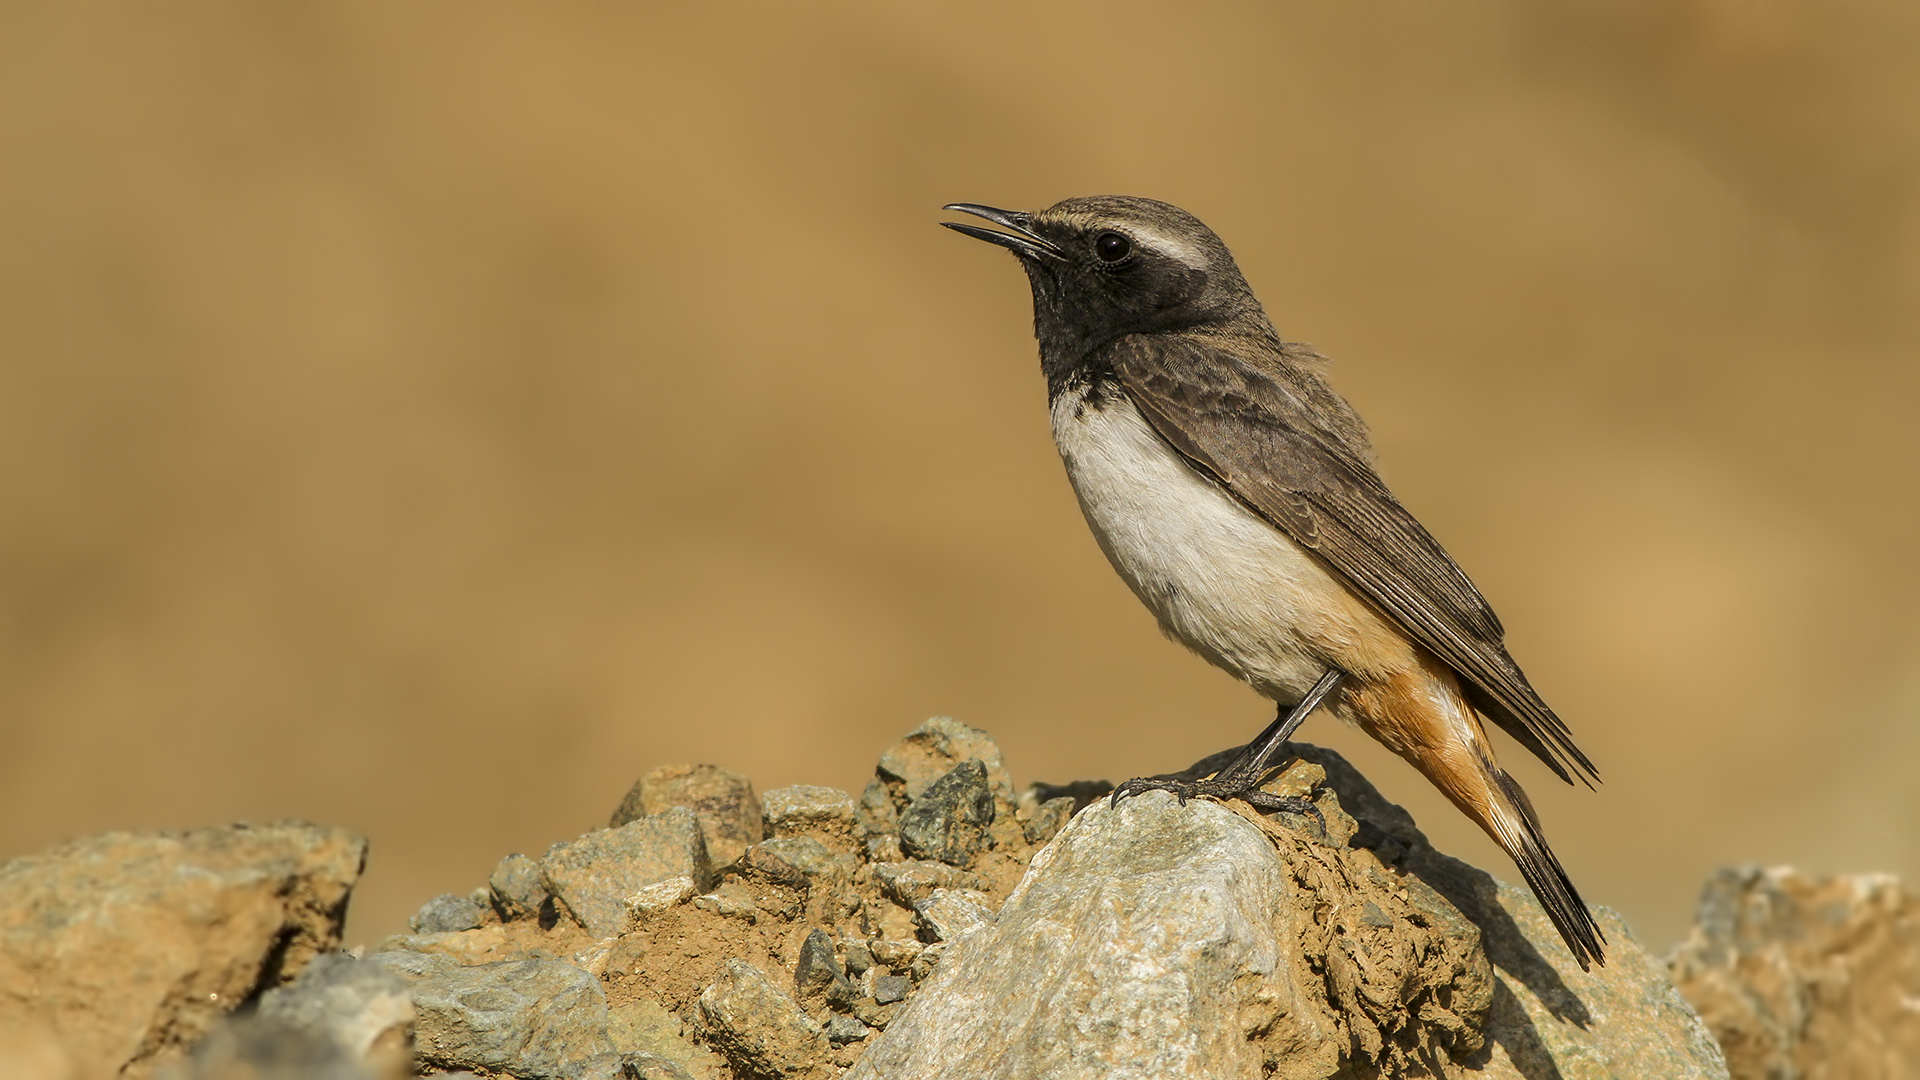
[1228, 415]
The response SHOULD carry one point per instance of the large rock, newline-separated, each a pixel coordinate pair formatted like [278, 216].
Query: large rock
[130, 947]
[533, 1019]
[1807, 977]
[592, 877]
[1156, 940]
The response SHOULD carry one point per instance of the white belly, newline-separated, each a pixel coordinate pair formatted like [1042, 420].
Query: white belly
[1220, 579]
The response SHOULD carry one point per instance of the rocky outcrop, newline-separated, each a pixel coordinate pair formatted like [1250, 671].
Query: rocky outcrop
[1806, 978]
[1152, 940]
[943, 926]
[126, 949]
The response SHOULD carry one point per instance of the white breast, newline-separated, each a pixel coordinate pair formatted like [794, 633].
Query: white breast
[1220, 579]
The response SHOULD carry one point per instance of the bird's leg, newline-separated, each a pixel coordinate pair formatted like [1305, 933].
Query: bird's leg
[1241, 778]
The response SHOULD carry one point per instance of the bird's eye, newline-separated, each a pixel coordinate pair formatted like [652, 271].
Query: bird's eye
[1112, 247]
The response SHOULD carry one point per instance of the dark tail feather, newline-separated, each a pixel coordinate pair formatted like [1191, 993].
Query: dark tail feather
[1550, 883]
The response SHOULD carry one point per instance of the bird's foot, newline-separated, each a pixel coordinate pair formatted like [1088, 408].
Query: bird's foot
[1222, 786]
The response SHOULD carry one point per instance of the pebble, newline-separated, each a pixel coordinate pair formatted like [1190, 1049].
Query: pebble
[447, 914]
[516, 889]
[949, 820]
[592, 877]
[731, 818]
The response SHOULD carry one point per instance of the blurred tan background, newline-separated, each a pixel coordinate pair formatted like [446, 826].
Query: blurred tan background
[429, 417]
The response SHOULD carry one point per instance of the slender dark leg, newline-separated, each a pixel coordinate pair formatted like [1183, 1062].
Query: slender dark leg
[1241, 778]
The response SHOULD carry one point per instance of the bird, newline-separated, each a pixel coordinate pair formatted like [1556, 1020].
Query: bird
[1236, 494]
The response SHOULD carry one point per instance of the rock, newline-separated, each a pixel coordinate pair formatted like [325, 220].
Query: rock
[888, 989]
[447, 914]
[535, 1019]
[908, 883]
[931, 751]
[130, 947]
[1048, 819]
[817, 975]
[822, 813]
[949, 913]
[660, 896]
[758, 1028]
[516, 888]
[643, 1029]
[803, 857]
[1155, 940]
[592, 877]
[846, 1029]
[1805, 977]
[723, 801]
[732, 900]
[949, 820]
[360, 1006]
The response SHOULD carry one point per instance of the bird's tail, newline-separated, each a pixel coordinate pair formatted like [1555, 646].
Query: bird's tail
[1515, 827]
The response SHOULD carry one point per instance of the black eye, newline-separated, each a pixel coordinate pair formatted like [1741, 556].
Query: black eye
[1112, 247]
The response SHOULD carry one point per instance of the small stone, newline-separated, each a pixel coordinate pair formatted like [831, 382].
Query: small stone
[805, 854]
[859, 957]
[733, 900]
[817, 973]
[949, 913]
[447, 914]
[908, 883]
[758, 1028]
[359, 1005]
[931, 750]
[723, 801]
[766, 865]
[591, 878]
[515, 889]
[888, 989]
[530, 1018]
[845, 1029]
[1048, 819]
[660, 896]
[824, 813]
[896, 953]
[874, 1015]
[949, 820]
[877, 812]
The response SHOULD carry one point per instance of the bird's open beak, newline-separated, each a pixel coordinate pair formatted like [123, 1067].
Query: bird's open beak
[1022, 241]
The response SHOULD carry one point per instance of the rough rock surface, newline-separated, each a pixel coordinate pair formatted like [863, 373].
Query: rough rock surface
[533, 1019]
[129, 947]
[949, 820]
[591, 878]
[759, 1028]
[730, 816]
[1155, 940]
[1806, 978]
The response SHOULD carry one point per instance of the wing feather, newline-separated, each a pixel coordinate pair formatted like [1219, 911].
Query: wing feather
[1219, 403]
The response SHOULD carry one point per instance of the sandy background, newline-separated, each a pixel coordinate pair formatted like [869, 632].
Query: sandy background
[427, 418]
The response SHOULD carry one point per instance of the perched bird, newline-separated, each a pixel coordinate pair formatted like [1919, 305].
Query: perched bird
[1234, 491]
